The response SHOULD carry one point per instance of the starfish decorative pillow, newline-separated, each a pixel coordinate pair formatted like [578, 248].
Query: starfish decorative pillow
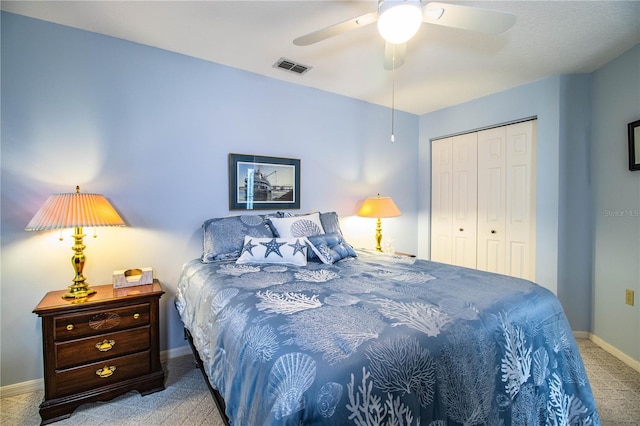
[288, 251]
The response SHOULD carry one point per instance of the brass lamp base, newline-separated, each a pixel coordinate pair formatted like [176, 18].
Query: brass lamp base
[79, 291]
[379, 235]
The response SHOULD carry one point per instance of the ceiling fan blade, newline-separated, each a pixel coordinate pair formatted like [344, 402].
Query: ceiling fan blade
[339, 28]
[467, 17]
[391, 51]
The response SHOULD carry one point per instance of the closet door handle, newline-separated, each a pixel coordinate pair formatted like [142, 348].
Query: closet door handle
[461, 229]
[493, 231]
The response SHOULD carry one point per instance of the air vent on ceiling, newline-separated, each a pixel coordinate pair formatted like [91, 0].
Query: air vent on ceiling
[289, 65]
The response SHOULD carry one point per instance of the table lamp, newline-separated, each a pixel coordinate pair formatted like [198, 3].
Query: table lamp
[75, 210]
[379, 207]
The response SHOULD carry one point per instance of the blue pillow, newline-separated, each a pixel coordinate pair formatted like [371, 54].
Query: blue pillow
[330, 222]
[224, 236]
[331, 247]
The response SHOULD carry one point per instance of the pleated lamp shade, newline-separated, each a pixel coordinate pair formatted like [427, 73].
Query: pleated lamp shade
[379, 207]
[75, 210]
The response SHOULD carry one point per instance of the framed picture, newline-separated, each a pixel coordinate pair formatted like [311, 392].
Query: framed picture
[263, 183]
[634, 145]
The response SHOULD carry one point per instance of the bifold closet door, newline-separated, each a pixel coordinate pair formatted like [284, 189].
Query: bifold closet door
[520, 200]
[465, 201]
[506, 200]
[483, 200]
[453, 200]
[441, 204]
[492, 164]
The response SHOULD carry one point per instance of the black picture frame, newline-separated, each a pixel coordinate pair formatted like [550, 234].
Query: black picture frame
[634, 145]
[275, 182]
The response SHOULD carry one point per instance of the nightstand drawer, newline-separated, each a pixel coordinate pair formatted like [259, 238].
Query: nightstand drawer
[98, 321]
[103, 346]
[113, 370]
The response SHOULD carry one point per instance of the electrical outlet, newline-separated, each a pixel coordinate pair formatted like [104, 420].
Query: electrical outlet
[629, 297]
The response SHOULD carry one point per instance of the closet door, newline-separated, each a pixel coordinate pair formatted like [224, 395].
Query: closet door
[520, 200]
[441, 204]
[506, 200]
[483, 200]
[464, 199]
[492, 163]
[453, 200]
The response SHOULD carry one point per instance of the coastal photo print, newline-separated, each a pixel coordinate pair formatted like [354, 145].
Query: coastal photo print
[263, 183]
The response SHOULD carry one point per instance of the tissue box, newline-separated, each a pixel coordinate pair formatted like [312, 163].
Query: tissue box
[132, 277]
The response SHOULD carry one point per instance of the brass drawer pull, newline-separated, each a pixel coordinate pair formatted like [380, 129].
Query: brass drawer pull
[105, 345]
[105, 371]
[136, 316]
[69, 327]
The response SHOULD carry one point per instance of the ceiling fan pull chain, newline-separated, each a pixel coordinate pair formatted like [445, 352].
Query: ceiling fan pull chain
[393, 93]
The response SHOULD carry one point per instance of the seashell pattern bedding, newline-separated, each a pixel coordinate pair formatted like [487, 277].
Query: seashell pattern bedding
[383, 340]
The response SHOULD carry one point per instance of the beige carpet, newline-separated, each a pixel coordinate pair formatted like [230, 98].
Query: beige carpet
[187, 401]
[615, 386]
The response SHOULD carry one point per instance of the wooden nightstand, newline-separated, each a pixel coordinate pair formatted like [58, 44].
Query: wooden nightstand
[99, 349]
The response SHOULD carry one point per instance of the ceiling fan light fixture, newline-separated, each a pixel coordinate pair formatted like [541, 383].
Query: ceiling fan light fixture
[399, 21]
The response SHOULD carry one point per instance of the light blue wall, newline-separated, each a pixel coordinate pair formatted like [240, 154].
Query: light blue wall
[616, 203]
[575, 219]
[152, 130]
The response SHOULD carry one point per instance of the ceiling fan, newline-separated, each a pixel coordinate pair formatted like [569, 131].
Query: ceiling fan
[399, 20]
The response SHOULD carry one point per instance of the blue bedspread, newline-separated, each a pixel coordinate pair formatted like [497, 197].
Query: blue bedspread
[383, 340]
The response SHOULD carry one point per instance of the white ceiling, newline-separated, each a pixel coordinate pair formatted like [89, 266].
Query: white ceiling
[443, 66]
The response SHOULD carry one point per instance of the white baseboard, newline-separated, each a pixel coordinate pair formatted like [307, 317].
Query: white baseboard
[581, 334]
[20, 388]
[633, 363]
[175, 353]
[38, 384]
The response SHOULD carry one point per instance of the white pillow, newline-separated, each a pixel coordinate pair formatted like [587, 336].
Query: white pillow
[297, 226]
[288, 251]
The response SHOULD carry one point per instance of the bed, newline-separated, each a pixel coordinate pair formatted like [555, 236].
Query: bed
[295, 327]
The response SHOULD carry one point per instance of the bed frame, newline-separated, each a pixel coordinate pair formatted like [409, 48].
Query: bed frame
[214, 392]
